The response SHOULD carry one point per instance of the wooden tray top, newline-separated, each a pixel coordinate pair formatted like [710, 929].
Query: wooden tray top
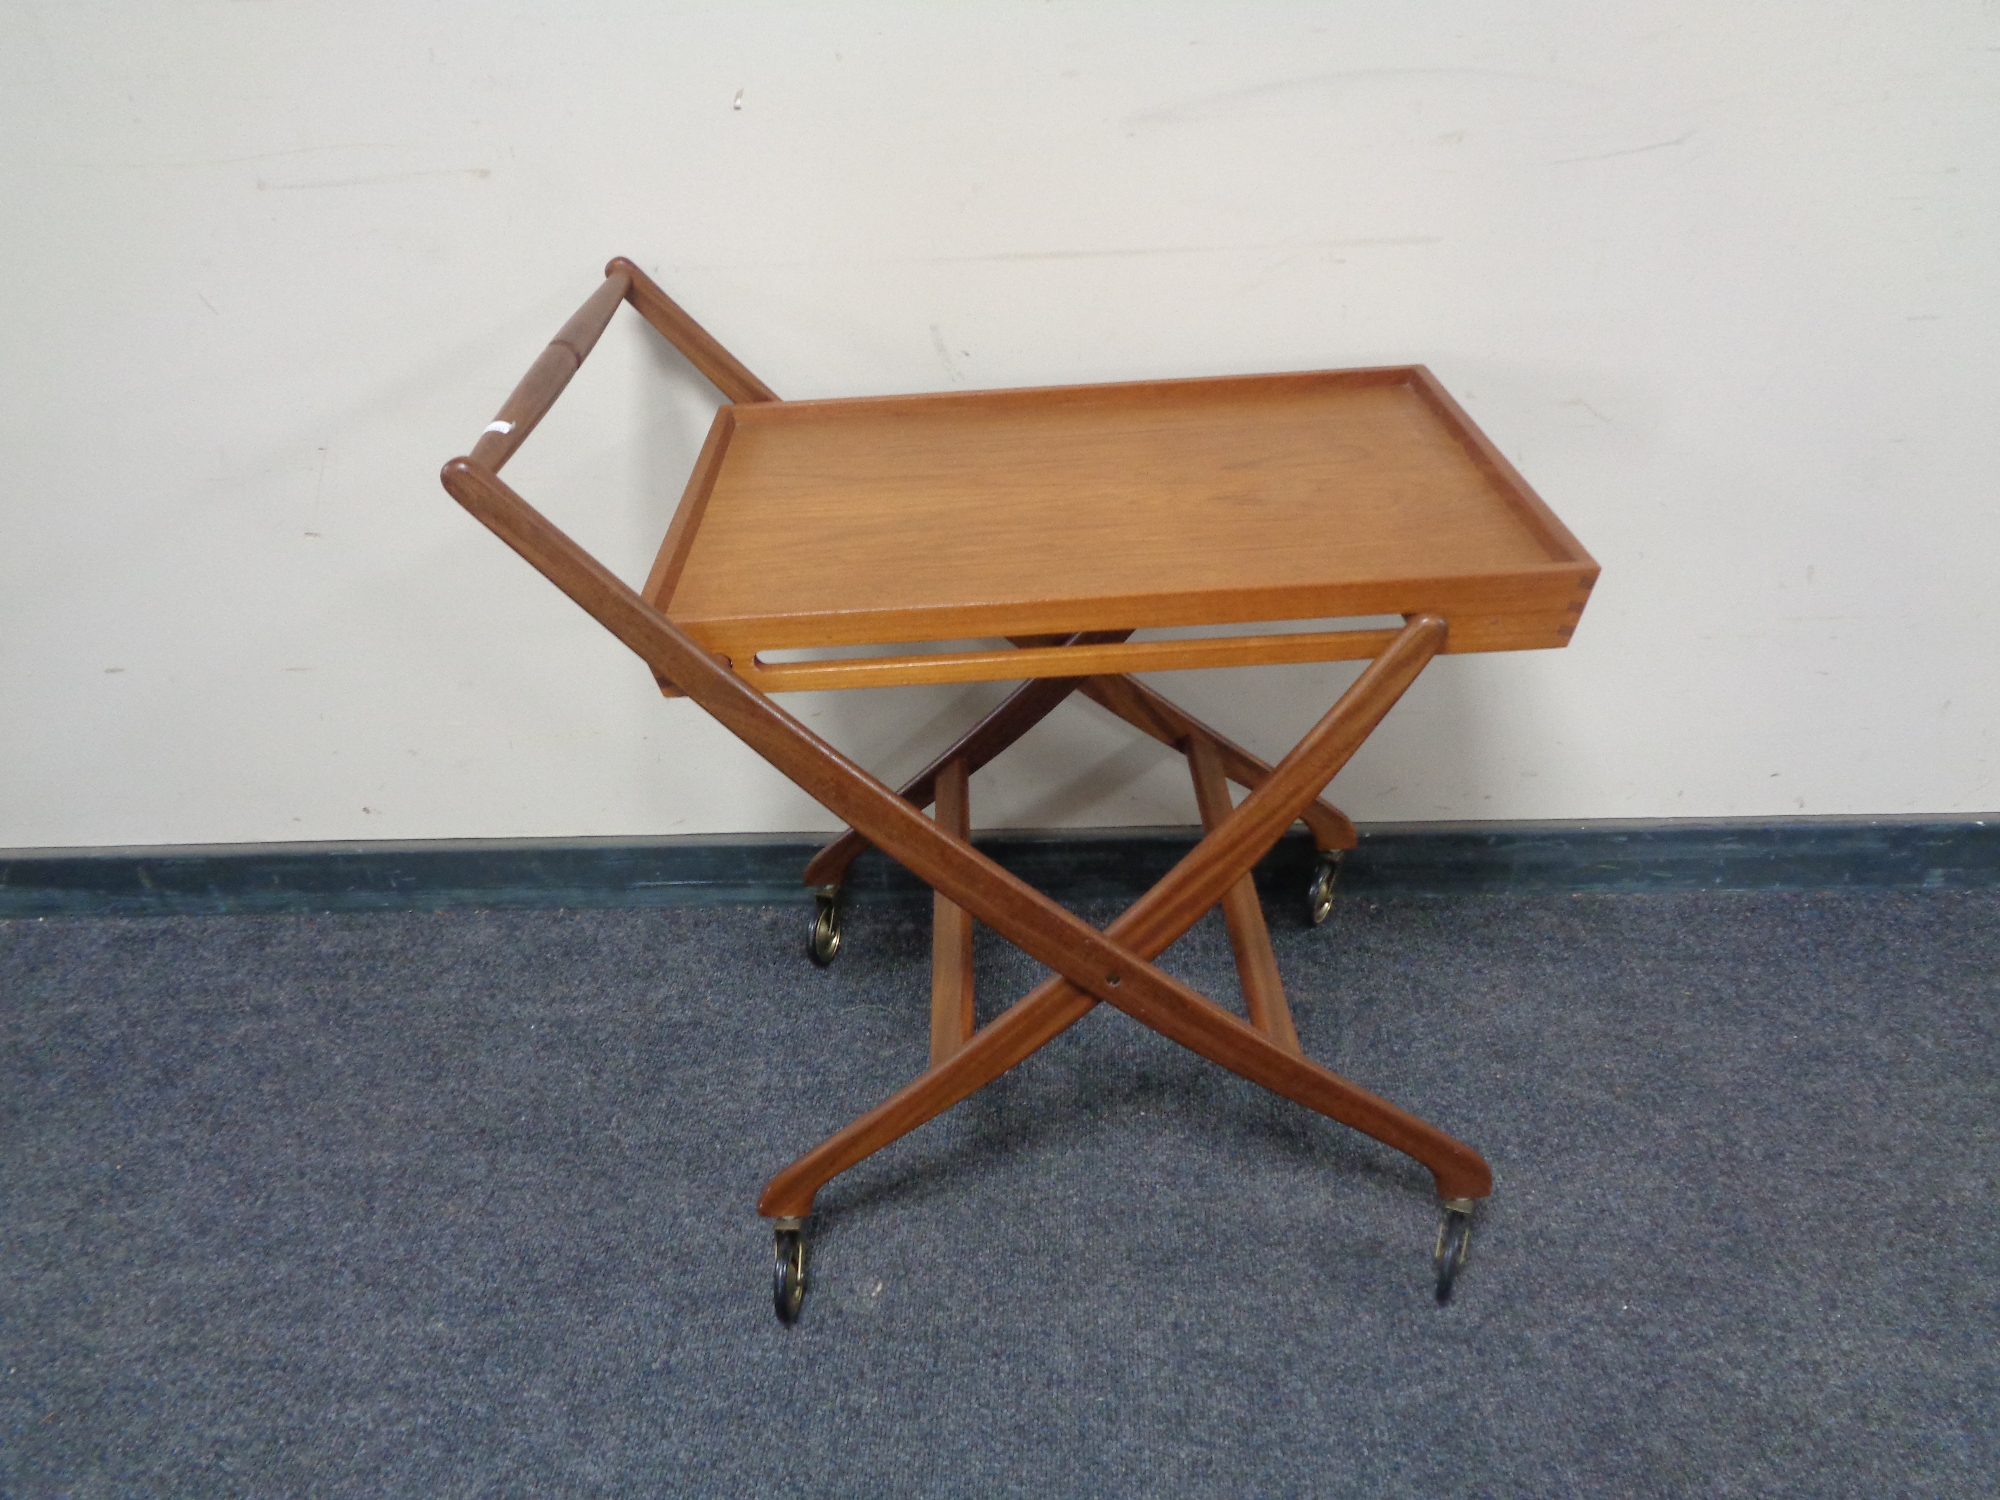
[973, 516]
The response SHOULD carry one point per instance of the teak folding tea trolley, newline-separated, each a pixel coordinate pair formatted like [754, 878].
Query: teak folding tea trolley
[1045, 528]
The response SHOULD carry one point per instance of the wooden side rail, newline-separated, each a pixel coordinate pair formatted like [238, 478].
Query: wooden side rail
[549, 374]
[724, 370]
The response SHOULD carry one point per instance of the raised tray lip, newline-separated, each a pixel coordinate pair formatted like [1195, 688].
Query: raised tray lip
[1566, 559]
[1359, 375]
[1186, 608]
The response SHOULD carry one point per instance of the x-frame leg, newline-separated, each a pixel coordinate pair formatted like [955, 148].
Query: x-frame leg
[1212, 759]
[1113, 966]
[1146, 929]
[1033, 701]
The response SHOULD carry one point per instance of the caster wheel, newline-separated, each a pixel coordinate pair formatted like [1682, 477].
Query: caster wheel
[824, 944]
[788, 1274]
[1454, 1238]
[1319, 895]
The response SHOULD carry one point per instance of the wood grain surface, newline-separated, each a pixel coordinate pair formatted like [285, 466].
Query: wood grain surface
[1249, 938]
[951, 929]
[549, 374]
[975, 515]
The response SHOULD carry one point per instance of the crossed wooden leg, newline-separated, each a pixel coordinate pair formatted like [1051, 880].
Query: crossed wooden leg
[1212, 760]
[1032, 702]
[1153, 923]
[1113, 966]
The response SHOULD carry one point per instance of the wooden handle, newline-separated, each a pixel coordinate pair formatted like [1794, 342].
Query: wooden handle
[548, 375]
[724, 370]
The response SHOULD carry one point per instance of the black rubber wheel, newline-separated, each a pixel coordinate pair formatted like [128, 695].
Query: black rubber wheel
[824, 944]
[1454, 1239]
[1319, 895]
[788, 1274]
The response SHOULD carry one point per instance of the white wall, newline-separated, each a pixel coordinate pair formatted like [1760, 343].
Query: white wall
[1721, 279]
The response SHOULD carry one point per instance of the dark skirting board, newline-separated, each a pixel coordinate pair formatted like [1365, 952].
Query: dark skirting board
[1072, 865]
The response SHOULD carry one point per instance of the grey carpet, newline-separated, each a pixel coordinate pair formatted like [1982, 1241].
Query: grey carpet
[461, 1204]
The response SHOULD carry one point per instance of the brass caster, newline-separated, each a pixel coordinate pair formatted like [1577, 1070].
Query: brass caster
[1319, 895]
[788, 1269]
[1454, 1239]
[824, 944]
